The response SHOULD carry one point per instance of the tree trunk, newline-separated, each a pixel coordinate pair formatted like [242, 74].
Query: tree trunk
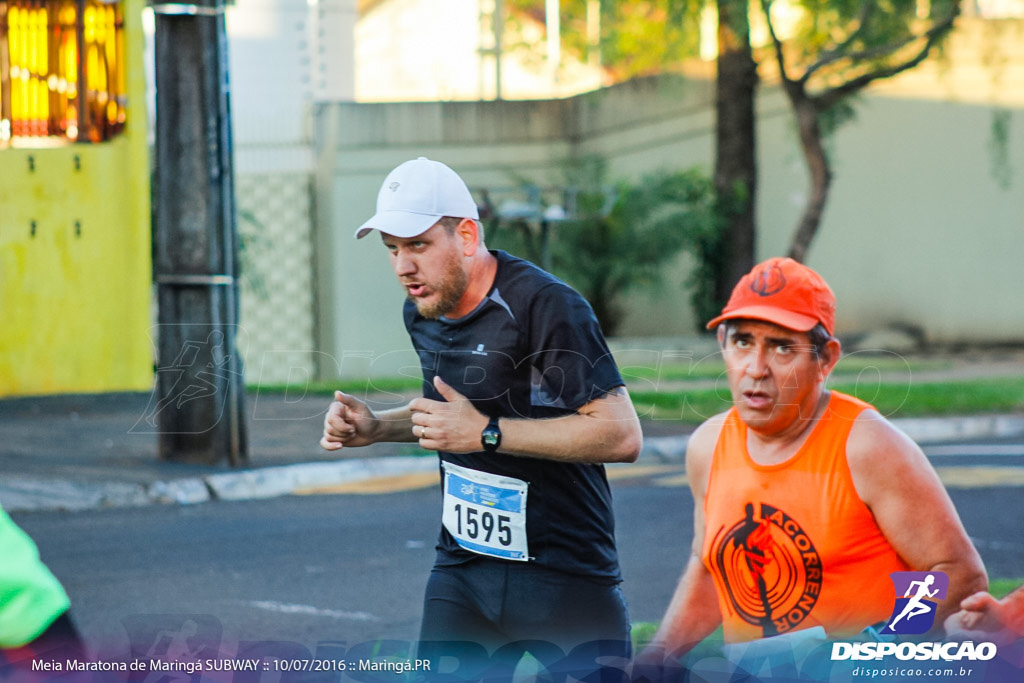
[735, 148]
[817, 165]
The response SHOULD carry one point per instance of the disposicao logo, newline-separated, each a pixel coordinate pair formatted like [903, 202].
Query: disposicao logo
[921, 652]
[917, 596]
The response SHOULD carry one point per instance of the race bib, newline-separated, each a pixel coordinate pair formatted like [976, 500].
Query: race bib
[485, 513]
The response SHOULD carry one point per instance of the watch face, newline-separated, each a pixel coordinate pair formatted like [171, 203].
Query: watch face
[491, 437]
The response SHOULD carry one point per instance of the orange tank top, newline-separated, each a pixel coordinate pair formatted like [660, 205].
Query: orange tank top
[792, 546]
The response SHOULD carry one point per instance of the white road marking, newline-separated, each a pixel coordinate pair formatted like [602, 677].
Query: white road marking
[1008, 449]
[286, 608]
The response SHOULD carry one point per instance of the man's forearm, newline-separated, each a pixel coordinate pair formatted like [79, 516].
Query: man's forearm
[605, 430]
[573, 438]
[692, 615]
[965, 578]
[394, 426]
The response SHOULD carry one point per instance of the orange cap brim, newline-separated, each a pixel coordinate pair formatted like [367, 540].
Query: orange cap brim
[770, 314]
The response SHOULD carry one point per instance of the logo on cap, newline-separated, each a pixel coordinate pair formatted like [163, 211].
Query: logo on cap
[417, 194]
[768, 281]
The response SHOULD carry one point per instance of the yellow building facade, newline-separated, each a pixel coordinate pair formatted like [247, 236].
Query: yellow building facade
[75, 247]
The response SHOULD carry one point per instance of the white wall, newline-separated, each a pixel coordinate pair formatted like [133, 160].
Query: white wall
[284, 56]
[917, 230]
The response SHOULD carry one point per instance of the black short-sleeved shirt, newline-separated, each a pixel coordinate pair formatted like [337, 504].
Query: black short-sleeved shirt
[531, 349]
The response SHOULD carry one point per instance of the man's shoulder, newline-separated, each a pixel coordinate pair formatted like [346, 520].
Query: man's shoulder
[863, 420]
[870, 424]
[847, 406]
[535, 297]
[700, 451]
[701, 443]
[874, 440]
[522, 279]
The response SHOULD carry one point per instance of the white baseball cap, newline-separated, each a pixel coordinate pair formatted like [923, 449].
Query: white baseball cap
[415, 196]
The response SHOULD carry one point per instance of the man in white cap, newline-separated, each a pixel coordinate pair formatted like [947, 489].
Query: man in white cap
[523, 403]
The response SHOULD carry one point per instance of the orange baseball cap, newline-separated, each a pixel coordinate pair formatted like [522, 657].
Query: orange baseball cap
[784, 292]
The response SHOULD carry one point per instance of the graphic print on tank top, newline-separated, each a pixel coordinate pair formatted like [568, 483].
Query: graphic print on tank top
[769, 567]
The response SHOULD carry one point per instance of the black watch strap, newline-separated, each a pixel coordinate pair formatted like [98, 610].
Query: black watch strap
[490, 437]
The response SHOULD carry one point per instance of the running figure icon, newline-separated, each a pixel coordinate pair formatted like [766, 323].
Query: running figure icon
[917, 605]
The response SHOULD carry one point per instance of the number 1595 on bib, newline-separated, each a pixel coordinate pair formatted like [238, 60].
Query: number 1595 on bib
[485, 513]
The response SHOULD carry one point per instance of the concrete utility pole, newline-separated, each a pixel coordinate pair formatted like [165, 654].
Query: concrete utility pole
[200, 389]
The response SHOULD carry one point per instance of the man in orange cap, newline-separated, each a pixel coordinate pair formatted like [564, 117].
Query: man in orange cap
[805, 500]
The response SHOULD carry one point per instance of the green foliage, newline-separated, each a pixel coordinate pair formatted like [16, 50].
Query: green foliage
[709, 244]
[253, 244]
[642, 633]
[636, 38]
[998, 148]
[840, 113]
[1000, 588]
[901, 399]
[834, 48]
[620, 235]
[644, 37]
[851, 368]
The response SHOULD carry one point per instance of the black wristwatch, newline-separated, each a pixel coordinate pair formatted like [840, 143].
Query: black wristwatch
[490, 438]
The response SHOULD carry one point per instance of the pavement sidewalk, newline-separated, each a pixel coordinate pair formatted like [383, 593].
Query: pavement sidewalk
[92, 451]
[76, 452]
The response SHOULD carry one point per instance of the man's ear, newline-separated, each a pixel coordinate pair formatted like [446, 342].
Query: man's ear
[830, 355]
[468, 232]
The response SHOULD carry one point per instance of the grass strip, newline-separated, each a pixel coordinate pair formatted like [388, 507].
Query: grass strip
[992, 395]
[851, 365]
[694, 405]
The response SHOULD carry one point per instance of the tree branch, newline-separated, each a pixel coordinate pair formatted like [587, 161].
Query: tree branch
[932, 34]
[838, 52]
[766, 7]
[825, 100]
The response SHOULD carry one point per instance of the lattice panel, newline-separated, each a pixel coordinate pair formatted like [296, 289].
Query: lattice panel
[275, 221]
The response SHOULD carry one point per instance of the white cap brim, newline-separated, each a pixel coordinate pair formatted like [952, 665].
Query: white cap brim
[398, 223]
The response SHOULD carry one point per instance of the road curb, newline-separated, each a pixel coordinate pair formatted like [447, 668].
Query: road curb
[21, 493]
[922, 430]
[278, 481]
[32, 494]
[931, 429]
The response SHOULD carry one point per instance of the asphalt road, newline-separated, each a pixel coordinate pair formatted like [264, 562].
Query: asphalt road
[308, 571]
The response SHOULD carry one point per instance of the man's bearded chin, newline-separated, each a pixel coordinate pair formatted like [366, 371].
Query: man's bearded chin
[448, 294]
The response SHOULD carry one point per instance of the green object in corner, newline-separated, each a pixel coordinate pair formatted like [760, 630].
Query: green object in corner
[31, 597]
